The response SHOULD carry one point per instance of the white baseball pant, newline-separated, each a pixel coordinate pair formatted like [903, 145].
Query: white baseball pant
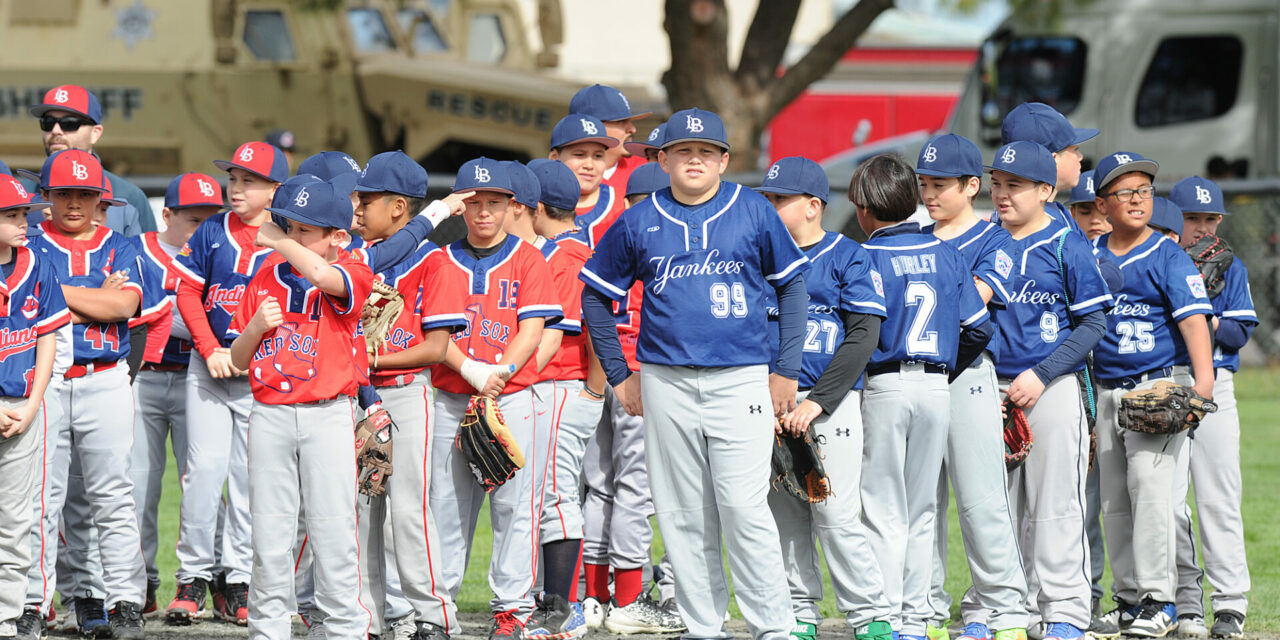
[19, 462]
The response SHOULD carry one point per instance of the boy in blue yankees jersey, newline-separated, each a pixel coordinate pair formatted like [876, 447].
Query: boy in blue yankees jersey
[949, 173]
[1215, 451]
[31, 311]
[706, 251]
[1156, 329]
[1052, 320]
[937, 323]
[845, 310]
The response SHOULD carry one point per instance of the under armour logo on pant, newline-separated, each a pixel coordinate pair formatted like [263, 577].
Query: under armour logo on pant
[843, 432]
[755, 408]
[975, 390]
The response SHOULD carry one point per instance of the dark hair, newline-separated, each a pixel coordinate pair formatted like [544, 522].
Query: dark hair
[886, 186]
[557, 213]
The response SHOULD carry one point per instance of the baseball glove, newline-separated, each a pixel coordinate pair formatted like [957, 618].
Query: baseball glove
[1165, 408]
[1017, 436]
[373, 452]
[490, 449]
[798, 469]
[379, 313]
[1213, 256]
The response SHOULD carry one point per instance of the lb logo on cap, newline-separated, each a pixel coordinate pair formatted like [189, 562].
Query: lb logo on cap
[61, 96]
[1009, 156]
[482, 174]
[773, 171]
[72, 169]
[206, 189]
[1203, 196]
[258, 158]
[930, 154]
[693, 124]
[246, 154]
[302, 198]
[588, 127]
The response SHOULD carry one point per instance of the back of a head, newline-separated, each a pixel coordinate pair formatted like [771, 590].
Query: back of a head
[886, 186]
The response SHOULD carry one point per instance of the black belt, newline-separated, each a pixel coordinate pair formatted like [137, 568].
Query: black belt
[1130, 382]
[895, 367]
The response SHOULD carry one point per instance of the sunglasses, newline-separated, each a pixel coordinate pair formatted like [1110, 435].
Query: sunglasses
[68, 123]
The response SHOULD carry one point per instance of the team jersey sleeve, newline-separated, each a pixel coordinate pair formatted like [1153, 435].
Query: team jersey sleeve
[1183, 288]
[1088, 289]
[995, 266]
[564, 274]
[54, 313]
[192, 260]
[537, 296]
[1236, 299]
[861, 290]
[780, 258]
[357, 280]
[443, 291]
[247, 307]
[128, 259]
[613, 269]
[155, 302]
[973, 311]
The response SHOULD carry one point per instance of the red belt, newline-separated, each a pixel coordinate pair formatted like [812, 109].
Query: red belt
[82, 370]
[391, 381]
[160, 366]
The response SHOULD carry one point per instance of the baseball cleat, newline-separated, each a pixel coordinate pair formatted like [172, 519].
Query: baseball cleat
[975, 631]
[91, 619]
[1227, 624]
[641, 616]
[804, 630]
[1011, 634]
[126, 621]
[1063, 631]
[593, 613]
[505, 626]
[1192, 626]
[29, 626]
[876, 630]
[1155, 620]
[1121, 617]
[188, 603]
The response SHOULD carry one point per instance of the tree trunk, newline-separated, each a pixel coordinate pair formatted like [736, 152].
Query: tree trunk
[749, 97]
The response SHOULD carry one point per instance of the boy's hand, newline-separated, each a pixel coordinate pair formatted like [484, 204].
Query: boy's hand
[115, 281]
[454, 200]
[629, 394]
[796, 422]
[219, 364]
[269, 234]
[783, 391]
[267, 317]
[1025, 389]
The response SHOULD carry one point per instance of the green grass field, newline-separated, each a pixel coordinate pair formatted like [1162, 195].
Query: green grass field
[1258, 392]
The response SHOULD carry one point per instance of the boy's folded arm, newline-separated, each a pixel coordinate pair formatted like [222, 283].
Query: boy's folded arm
[102, 305]
[313, 267]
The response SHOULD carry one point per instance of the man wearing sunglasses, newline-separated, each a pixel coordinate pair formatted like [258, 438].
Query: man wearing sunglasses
[70, 117]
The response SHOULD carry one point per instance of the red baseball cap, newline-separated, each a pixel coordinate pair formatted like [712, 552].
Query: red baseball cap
[14, 196]
[71, 98]
[108, 197]
[258, 158]
[193, 190]
[72, 169]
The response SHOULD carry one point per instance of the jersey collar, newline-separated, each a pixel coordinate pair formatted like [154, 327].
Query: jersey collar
[900, 229]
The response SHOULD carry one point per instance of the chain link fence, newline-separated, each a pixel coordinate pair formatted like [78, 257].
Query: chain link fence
[1253, 231]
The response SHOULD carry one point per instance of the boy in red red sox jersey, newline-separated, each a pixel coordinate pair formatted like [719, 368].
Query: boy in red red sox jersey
[301, 309]
[508, 298]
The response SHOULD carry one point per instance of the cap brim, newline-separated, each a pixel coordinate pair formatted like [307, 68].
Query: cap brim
[221, 206]
[1148, 167]
[507, 192]
[30, 205]
[936, 173]
[285, 213]
[1022, 175]
[227, 165]
[638, 148]
[114, 202]
[1083, 134]
[609, 142]
[41, 109]
[74, 186]
[634, 116]
[27, 173]
[672, 143]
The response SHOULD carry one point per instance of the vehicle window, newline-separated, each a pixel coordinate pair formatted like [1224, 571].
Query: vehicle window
[422, 31]
[1040, 69]
[266, 33]
[486, 44]
[1190, 78]
[369, 32]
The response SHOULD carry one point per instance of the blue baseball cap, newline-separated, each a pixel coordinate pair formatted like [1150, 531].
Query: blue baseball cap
[1118, 164]
[580, 127]
[4, 168]
[524, 184]
[558, 186]
[647, 178]
[307, 199]
[1083, 191]
[327, 164]
[483, 174]
[949, 156]
[1026, 159]
[796, 176]
[1039, 122]
[603, 102]
[695, 125]
[393, 172]
[654, 141]
[1198, 195]
[1166, 215]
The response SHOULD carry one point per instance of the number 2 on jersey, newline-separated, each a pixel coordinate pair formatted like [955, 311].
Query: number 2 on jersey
[1135, 336]
[820, 336]
[727, 300]
[920, 341]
